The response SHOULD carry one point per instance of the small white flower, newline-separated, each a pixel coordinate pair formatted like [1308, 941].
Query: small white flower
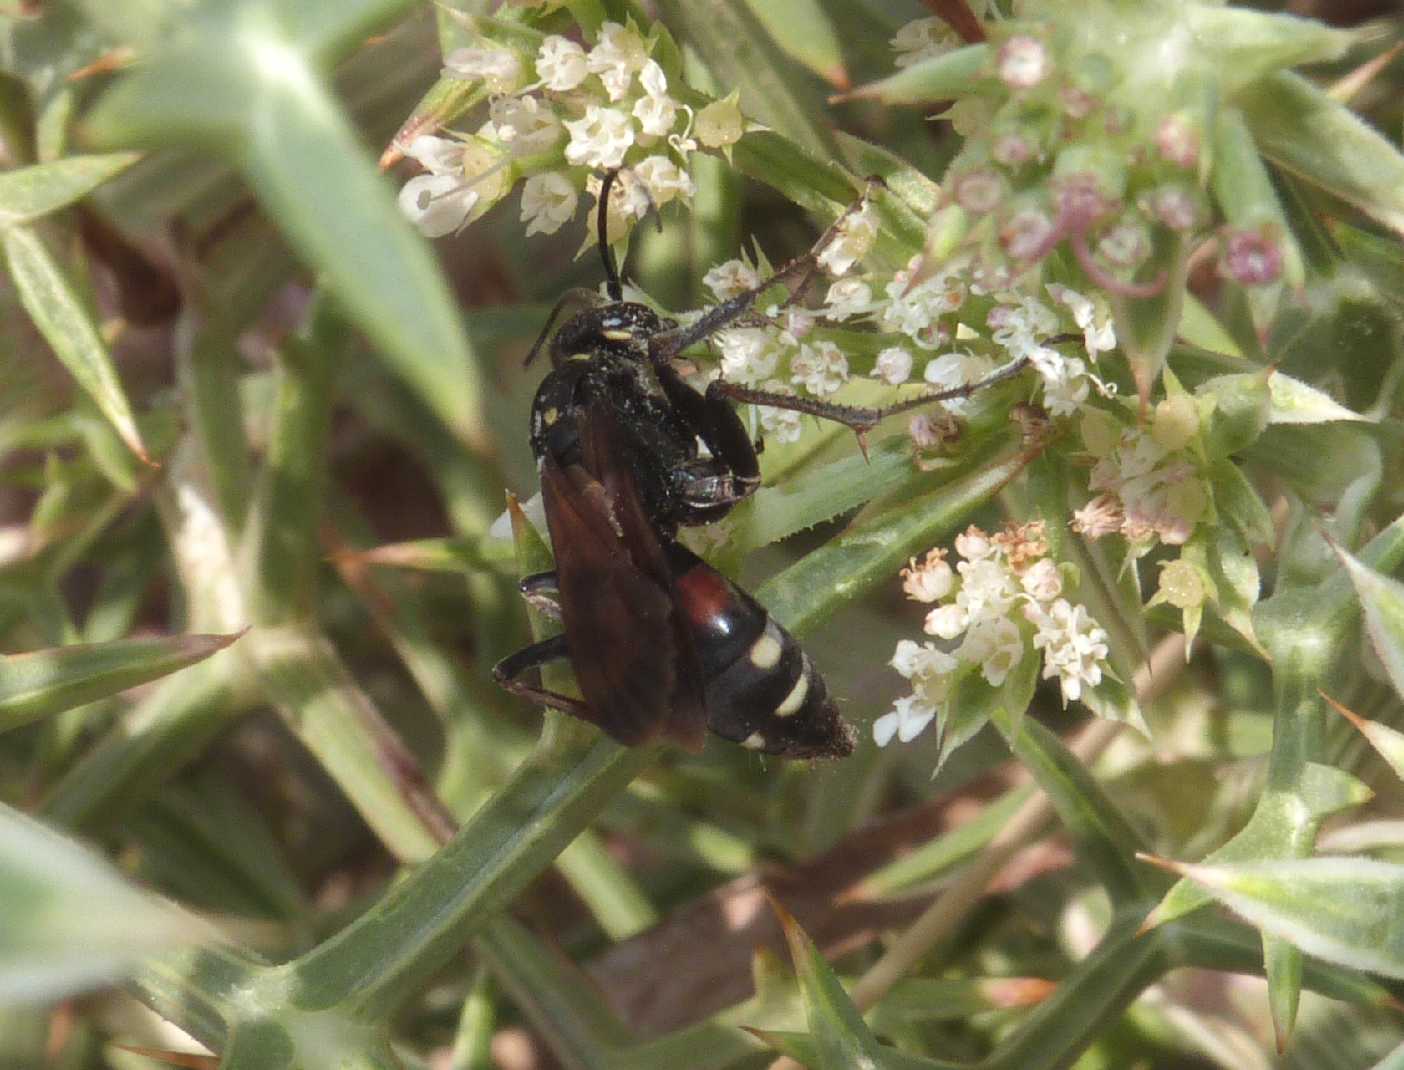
[730, 278]
[854, 238]
[1098, 333]
[894, 365]
[521, 125]
[909, 717]
[560, 64]
[665, 179]
[820, 368]
[996, 645]
[548, 202]
[616, 57]
[921, 661]
[465, 178]
[655, 111]
[1098, 518]
[1074, 646]
[1065, 382]
[748, 354]
[783, 425]
[973, 544]
[986, 587]
[946, 622]
[930, 581]
[922, 39]
[1042, 582]
[847, 298]
[437, 204]
[956, 369]
[500, 69]
[600, 139]
[796, 323]
[628, 201]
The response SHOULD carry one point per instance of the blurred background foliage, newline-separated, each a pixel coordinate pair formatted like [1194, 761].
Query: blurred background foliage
[231, 370]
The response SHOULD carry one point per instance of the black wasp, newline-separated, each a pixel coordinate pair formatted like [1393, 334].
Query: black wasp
[663, 645]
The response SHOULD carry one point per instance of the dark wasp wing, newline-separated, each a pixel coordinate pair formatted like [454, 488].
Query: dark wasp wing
[630, 649]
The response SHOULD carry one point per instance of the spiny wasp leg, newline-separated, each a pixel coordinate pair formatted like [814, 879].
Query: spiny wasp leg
[507, 671]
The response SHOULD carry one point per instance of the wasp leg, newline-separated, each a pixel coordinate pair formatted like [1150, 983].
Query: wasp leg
[665, 346]
[506, 671]
[542, 591]
[711, 487]
[856, 418]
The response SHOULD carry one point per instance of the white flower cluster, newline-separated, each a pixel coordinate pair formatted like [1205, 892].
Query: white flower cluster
[1003, 602]
[933, 313]
[1147, 488]
[586, 110]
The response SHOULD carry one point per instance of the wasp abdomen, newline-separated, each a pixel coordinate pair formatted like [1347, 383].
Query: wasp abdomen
[762, 691]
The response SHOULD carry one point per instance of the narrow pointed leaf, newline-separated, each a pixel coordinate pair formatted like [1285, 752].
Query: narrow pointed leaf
[1382, 598]
[1306, 132]
[32, 192]
[1387, 741]
[1361, 929]
[44, 682]
[802, 29]
[60, 901]
[931, 81]
[264, 106]
[1296, 402]
[58, 310]
[842, 1039]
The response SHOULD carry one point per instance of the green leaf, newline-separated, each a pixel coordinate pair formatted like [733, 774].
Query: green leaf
[1106, 842]
[931, 81]
[1382, 599]
[1306, 132]
[264, 107]
[1344, 910]
[61, 902]
[742, 56]
[842, 1039]
[1387, 741]
[1295, 402]
[803, 30]
[1146, 326]
[32, 192]
[44, 682]
[59, 311]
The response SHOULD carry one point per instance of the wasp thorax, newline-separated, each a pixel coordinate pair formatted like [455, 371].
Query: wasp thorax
[622, 328]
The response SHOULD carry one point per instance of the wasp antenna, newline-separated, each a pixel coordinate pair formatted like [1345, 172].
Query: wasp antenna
[613, 286]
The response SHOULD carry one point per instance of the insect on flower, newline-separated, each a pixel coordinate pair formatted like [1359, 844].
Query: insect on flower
[662, 644]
